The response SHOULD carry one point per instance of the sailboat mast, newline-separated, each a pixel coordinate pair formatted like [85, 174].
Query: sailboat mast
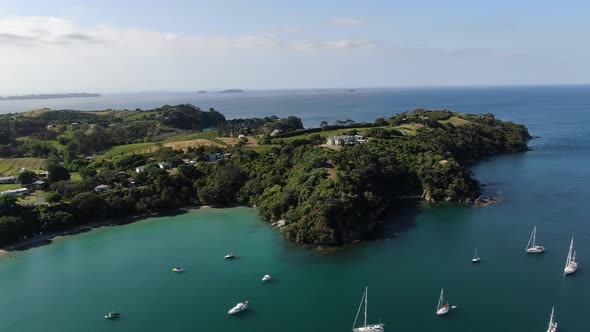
[366, 300]
[569, 255]
[534, 235]
[551, 319]
[440, 300]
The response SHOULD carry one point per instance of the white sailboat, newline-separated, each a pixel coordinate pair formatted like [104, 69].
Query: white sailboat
[531, 247]
[475, 259]
[552, 323]
[570, 264]
[442, 308]
[370, 327]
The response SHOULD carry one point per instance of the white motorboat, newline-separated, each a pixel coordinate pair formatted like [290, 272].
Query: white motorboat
[365, 327]
[266, 277]
[531, 247]
[177, 269]
[552, 323]
[442, 308]
[238, 308]
[570, 264]
[231, 256]
[112, 315]
[475, 258]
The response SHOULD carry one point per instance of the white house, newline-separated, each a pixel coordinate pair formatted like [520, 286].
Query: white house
[165, 165]
[16, 192]
[102, 188]
[139, 169]
[8, 179]
[341, 140]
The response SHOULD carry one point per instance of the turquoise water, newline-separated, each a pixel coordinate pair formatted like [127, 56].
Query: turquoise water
[70, 284]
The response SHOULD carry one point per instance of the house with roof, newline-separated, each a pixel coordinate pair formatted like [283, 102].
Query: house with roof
[38, 185]
[139, 169]
[165, 165]
[16, 192]
[7, 179]
[341, 140]
[102, 188]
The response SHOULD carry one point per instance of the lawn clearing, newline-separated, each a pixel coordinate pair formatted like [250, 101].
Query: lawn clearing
[11, 166]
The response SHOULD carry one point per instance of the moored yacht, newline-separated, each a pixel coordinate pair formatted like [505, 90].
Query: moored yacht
[177, 269]
[570, 264]
[238, 308]
[531, 247]
[231, 256]
[366, 327]
[442, 308]
[266, 277]
[475, 258]
[552, 323]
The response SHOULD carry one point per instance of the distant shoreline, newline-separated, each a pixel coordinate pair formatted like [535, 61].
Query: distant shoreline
[51, 96]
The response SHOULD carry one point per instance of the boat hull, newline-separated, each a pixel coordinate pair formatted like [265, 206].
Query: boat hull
[370, 328]
[570, 268]
[442, 311]
[536, 250]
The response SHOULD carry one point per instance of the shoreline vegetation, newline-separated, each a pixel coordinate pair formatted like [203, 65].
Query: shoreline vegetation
[324, 186]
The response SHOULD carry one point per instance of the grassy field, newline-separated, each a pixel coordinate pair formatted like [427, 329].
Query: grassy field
[11, 166]
[138, 115]
[9, 186]
[328, 133]
[207, 138]
[211, 134]
[126, 149]
[455, 121]
[261, 148]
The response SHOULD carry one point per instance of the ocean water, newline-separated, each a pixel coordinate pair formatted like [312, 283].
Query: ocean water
[70, 284]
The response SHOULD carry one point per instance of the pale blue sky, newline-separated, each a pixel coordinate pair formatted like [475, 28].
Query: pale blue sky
[119, 46]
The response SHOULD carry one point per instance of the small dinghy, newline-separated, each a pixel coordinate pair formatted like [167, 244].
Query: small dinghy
[266, 277]
[231, 256]
[177, 269]
[112, 315]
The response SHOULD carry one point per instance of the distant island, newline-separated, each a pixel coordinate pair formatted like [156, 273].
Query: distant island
[333, 184]
[51, 96]
[202, 91]
[232, 91]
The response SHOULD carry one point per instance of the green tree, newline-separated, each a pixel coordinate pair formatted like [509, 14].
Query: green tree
[53, 198]
[26, 177]
[57, 173]
[11, 229]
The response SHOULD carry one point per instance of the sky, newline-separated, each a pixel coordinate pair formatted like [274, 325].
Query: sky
[180, 45]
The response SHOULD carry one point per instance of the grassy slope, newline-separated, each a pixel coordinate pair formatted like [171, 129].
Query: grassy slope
[9, 186]
[11, 166]
[126, 149]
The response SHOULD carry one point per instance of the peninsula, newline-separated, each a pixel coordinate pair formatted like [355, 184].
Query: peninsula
[327, 185]
[51, 96]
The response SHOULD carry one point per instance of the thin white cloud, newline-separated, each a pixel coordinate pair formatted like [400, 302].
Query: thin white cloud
[348, 21]
[341, 44]
[65, 34]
